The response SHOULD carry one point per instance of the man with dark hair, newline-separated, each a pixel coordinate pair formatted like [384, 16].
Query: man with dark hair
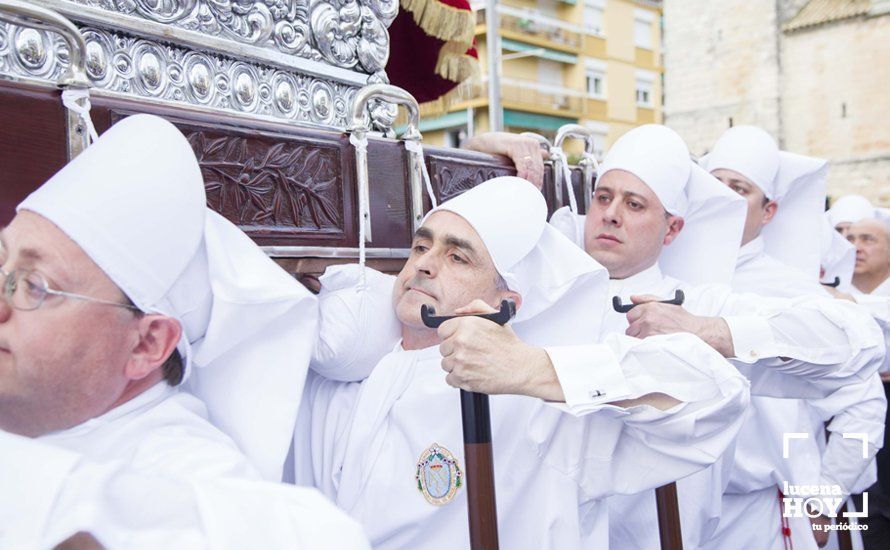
[657, 409]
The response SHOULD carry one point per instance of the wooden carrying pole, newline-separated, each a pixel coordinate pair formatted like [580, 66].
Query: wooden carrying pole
[479, 461]
[669, 530]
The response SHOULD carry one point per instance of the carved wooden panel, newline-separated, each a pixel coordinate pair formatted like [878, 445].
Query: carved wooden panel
[451, 177]
[281, 186]
[32, 142]
[284, 185]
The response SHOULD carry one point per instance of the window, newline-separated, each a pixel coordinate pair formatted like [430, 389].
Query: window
[454, 137]
[645, 88]
[593, 16]
[595, 73]
[596, 84]
[643, 20]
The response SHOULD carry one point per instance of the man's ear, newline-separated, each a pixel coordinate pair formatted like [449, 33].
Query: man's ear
[675, 225]
[157, 339]
[769, 211]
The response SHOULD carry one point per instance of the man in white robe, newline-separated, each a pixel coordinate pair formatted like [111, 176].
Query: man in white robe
[636, 228]
[867, 237]
[784, 193]
[871, 237]
[849, 209]
[659, 409]
[119, 286]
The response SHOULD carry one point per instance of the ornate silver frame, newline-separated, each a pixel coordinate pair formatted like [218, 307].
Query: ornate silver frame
[298, 61]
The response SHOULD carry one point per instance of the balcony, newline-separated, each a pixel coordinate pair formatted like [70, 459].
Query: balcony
[533, 27]
[534, 97]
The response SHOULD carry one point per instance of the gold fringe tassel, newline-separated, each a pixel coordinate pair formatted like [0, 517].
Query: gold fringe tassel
[454, 64]
[442, 21]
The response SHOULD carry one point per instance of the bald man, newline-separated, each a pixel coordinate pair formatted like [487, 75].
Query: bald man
[871, 237]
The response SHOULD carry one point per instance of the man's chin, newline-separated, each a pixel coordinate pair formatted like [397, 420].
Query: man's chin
[604, 256]
[408, 308]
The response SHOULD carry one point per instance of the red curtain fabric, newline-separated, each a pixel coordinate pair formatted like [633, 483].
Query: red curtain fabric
[432, 48]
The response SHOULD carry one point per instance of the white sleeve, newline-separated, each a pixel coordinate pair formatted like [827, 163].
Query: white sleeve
[857, 411]
[50, 494]
[654, 446]
[802, 347]
[357, 323]
[879, 308]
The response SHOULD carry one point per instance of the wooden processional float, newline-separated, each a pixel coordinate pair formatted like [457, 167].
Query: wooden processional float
[288, 112]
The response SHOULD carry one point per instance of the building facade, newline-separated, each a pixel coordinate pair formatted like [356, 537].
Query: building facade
[593, 62]
[811, 72]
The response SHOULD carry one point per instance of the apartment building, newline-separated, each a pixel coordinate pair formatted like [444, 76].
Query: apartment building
[593, 62]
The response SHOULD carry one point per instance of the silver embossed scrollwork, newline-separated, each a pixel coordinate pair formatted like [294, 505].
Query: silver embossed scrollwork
[37, 51]
[349, 34]
[124, 56]
[32, 46]
[132, 66]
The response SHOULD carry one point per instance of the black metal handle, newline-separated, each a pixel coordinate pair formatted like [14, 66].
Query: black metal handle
[474, 406]
[836, 283]
[508, 310]
[479, 459]
[678, 300]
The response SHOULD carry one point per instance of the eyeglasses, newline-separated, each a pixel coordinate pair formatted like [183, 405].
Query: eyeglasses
[26, 290]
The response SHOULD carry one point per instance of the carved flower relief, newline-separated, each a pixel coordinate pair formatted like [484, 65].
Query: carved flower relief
[348, 34]
[255, 183]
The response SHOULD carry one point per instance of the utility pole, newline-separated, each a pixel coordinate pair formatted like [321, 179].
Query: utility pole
[492, 31]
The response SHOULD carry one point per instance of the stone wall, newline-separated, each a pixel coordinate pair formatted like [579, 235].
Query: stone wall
[836, 102]
[821, 91]
[721, 62]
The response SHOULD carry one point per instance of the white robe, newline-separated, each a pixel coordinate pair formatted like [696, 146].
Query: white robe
[759, 469]
[151, 473]
[882, 289]
[761, 328]
[552, 468]
[879, 308]
[829, 344]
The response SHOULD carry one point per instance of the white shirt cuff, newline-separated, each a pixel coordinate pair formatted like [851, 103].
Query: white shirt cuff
[752, 338]
[590, 376]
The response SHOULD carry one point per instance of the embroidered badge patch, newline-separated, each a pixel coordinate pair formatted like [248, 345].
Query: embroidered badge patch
[438, 475]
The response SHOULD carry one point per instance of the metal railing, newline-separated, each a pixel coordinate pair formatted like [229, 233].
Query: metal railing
[536, 25]
[534, 95]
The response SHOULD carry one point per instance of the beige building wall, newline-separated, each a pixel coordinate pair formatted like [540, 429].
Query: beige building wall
[837, 105]
[623, 59]
[615, 50]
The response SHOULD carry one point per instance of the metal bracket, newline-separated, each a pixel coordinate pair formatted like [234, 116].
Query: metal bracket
[589, 165]
[26, 14]
[359, 127]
